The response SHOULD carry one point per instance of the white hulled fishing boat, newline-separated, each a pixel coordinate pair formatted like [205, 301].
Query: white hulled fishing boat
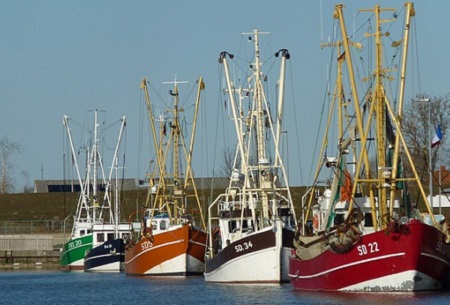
[251, 225]
[97, 239]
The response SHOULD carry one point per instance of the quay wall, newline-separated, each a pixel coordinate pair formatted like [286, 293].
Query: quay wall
[29, 251]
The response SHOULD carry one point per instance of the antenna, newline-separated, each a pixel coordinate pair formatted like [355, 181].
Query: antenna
[176, 82]
[321, 21]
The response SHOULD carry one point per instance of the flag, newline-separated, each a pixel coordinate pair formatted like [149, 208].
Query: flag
[437, 137]
[346, 187]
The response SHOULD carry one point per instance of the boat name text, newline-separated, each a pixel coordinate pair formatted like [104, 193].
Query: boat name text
[370, 248]
[244, 246]
[74, 244]
[442, 247]
[146, 245]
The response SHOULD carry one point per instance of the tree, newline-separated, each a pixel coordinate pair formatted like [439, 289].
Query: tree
[7, 150]
[229, 155]
[415, 127]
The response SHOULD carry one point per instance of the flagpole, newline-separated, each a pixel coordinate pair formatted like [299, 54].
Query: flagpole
[440, 186]
[429, 153]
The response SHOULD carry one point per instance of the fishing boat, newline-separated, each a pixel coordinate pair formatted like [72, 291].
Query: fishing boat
[251, 225]
[362, 232]
[97, 239]
[169, 243]
[108, 244]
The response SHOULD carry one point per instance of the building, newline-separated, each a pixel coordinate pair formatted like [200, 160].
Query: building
[52, 186]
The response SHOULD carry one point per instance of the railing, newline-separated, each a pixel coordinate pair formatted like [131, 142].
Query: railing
[34, 234]
[26, 242]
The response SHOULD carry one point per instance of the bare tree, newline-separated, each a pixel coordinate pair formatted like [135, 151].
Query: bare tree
[228, 165]
[7, 150]
[416, 128]
[27, 188]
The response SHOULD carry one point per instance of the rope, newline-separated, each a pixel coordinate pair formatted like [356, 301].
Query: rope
[297, 133]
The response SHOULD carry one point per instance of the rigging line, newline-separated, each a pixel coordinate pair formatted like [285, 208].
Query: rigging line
[104, 137]
[416, 48]
[184, 115]
[321, 21]
[331, 98]
[244, 71]
[361, 28]
[318, 131]
[299, 154]
[187, 97]
[162, 100]
[112, 124]
[140, 132]
[122, 180]
[217, 130]
[394, 22]
[183, 128]
[69, 161]
[110, 148]
[218, 116]
[271, 59]
[326, 94]
[354, 19]
[204, 135]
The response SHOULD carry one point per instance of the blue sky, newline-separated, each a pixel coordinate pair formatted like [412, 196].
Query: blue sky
[68, 57]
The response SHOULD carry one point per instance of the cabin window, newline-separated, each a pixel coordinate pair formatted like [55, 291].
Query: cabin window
[232, 225]
[154, 225]
[292, 221]
[247, 225]
[110, 236]
[244, 225]
[368, 220]
[163, 225]
[82, 232]
[100, 237]
[338, 219]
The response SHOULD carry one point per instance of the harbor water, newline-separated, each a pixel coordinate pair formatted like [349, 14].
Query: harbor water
[56, 287]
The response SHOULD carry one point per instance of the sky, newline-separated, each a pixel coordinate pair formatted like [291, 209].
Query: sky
[68, 57]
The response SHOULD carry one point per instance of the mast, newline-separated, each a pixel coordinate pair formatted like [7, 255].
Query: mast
[172, 194]
[177, 187]
[82, 203]
[159, 155]
[363, 158]
[95, 167]
[265, 182]
[114, 167]
[284, 56]
[189, 171]
[116, 201]
[176, 139]
[385, 182]
[260, 173]
[223, 59]
[409, 13]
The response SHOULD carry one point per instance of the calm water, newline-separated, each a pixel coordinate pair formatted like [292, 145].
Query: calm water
[54, 287]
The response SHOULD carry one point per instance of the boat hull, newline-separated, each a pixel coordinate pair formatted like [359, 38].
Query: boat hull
[413, 257]
[261, 257]
[73, 253]
[108, 257]
[178, 251]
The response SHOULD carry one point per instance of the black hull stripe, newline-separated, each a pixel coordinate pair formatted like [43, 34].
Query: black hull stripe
[258, 241]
